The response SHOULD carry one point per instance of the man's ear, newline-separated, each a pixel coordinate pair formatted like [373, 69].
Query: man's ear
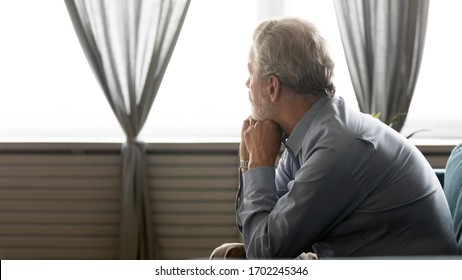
[274, 87]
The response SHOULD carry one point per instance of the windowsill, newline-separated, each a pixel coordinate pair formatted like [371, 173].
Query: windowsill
[435, 142]
[118, 140]
[184, 140]
[79, 145]
[201, 143]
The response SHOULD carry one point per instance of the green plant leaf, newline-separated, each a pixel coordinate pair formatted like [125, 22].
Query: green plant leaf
[396, 118]
[376, 115]
[417, 131]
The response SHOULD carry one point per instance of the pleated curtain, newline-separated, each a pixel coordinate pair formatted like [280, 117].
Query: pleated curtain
[383, 42]
[128, 44]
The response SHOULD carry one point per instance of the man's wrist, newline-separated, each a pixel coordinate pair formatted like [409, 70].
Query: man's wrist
[259, 163]
[244, 165]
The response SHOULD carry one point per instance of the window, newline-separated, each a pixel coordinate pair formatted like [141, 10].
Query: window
[437, 102]
[47, 82]
[203, 95]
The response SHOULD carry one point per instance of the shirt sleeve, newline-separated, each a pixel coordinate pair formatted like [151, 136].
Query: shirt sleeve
[284, 174]
[322, 193]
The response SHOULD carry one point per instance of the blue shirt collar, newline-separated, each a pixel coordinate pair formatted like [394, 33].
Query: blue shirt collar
[295, 140]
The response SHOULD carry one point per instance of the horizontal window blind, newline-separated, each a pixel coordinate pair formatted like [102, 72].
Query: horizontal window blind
[192, 195]
[62, 201]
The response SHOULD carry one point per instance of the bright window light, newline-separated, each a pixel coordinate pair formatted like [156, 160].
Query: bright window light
[48, 91]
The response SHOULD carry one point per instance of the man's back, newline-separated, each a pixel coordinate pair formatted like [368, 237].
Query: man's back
[382, 198]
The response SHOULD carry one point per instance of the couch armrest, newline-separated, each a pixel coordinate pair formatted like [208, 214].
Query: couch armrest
[440, 174]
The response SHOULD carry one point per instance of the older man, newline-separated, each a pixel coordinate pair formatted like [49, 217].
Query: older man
[346, 185]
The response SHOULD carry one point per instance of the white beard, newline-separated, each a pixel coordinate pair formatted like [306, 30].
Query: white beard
[263, 112]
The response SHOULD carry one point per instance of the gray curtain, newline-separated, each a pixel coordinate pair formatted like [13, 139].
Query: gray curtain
[383, 42]
[128, 44]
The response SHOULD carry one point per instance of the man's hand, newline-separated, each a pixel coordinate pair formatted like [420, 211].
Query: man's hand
[261, 140]
[243, 153]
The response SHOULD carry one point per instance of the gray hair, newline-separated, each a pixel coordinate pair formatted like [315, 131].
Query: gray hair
[293, 50]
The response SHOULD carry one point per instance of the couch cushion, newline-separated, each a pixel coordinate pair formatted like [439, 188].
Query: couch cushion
[453, 190]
